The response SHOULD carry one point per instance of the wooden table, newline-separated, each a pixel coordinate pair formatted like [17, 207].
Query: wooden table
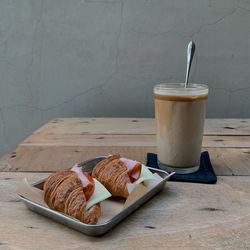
[183, 215]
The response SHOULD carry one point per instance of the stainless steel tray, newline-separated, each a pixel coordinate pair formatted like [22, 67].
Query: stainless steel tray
[98, 229]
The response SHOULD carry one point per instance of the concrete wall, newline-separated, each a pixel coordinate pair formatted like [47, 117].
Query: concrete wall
[62, 58]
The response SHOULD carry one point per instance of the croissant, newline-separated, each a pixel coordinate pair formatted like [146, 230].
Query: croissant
[64, 192]
[115, 173]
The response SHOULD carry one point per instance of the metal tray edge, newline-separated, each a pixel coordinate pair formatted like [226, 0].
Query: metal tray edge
[98, 229]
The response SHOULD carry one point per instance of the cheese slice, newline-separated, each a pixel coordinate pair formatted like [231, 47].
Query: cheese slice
[145, 177]
[152, 183]
[100, 194]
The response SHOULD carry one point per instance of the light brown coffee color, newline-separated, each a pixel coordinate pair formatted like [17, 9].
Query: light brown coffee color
[178, 98]
[180, 122]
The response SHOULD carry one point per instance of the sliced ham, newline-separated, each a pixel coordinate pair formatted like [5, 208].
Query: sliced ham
[133, 168]
[86, 180]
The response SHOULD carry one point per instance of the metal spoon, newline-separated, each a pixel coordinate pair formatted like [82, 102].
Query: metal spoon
[190, 54]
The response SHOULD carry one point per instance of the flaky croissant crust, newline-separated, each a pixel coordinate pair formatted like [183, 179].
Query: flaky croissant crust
[63, 192]
[113, 174]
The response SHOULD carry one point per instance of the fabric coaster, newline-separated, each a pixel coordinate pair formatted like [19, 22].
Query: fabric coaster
[205, 173]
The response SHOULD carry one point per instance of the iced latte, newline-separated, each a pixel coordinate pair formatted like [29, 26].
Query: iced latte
[180, 115]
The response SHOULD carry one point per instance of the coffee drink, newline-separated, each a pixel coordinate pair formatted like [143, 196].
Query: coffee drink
[180, 115]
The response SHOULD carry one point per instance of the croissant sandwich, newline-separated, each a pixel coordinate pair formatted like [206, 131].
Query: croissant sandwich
[75, 193]
[115, 173]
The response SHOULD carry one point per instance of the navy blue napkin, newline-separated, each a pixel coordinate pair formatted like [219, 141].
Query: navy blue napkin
[205, 173]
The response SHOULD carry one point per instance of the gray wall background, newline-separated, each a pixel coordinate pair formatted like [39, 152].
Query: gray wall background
[63, 58]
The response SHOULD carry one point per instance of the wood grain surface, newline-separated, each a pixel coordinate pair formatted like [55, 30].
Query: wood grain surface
[182, 216]
[137, 126]
[65, 141]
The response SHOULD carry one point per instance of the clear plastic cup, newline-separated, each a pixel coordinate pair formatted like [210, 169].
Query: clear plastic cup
[179, 114]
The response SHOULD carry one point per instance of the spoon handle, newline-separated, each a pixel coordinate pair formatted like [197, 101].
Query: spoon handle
[190, 54]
